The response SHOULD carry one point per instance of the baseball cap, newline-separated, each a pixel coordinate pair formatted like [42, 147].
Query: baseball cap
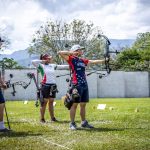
[76, 47]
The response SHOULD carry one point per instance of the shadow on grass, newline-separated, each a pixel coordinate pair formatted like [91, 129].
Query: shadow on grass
[18, 122]
[18, 134]
[101, 129]
[63, 121]
[37, 121]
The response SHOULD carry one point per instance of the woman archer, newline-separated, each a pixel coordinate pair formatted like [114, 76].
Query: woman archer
[48, 84]
[78, 65]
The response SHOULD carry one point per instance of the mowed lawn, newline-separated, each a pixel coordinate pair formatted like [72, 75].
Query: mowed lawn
[123, 125]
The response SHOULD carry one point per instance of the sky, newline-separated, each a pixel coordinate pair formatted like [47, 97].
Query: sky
[118, 19]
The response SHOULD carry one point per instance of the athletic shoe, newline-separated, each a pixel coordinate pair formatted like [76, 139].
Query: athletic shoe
[54, 120]
[73, 126]
[42, 121]
[5, 130]
[86, 125]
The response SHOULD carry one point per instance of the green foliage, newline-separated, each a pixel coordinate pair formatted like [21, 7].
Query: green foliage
[54, 35]
[142, 41]
[10, 63]
[136, 58]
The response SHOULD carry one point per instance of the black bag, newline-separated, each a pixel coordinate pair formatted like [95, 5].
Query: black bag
[71, 97]
[68, 102]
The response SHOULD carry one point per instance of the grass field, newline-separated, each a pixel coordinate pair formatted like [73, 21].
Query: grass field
[124, 127]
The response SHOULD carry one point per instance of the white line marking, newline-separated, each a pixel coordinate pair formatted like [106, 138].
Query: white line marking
[55, 143]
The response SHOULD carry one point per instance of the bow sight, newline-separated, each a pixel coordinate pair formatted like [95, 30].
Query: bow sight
[30, 75]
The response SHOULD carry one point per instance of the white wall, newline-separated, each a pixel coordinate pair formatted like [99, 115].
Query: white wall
[136, 84]
[112, 86]
[21, 93]
[117, 84]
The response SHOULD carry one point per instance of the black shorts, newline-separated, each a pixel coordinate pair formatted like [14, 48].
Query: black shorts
[49, 90]
[2, 100]
[84, 94]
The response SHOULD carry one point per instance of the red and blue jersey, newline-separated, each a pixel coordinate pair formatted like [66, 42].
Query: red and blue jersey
[78, 66]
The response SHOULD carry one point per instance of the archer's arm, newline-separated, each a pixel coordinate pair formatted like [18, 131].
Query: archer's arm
[37, 62]
[61, 67]
[65, 54]
[96, 62]
[2, 83]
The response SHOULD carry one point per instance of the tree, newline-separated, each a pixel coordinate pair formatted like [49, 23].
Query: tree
[136, 58]
[142, 41]
[58, 35]
[10, 63]
[4, 42]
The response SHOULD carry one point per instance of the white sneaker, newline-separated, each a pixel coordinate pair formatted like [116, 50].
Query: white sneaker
[86, 125]
[73, 126]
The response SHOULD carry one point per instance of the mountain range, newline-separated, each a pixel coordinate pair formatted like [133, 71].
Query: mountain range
[24, 59]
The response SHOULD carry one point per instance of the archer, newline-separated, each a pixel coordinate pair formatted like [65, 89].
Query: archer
[48, 85]
[2, 106]
[78, 82]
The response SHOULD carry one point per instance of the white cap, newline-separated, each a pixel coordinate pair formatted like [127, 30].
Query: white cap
[76, 47]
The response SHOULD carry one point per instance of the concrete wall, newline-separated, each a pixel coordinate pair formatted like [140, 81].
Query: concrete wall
[21, 93]
[124, 84]
[136, 84]
[117, 84]
[112, 85]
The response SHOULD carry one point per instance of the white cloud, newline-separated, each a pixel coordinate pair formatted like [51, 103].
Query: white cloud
[120, 19]
[117, 18]
[6, 25]
[24, 17]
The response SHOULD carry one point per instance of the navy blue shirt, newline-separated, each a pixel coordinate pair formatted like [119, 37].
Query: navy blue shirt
[78, 66]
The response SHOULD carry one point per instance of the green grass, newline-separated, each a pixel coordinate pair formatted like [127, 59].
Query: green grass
[122, 128]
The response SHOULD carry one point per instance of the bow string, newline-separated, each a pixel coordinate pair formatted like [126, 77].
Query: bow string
[106, 56]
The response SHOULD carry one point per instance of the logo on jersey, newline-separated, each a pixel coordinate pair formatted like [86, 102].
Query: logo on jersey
[80, 64]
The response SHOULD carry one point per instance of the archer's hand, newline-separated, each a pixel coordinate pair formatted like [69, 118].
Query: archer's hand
[107, 59]
[4, 86]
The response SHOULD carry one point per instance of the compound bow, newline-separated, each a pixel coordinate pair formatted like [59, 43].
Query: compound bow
[21, 83]
[106, 56]
[39, 92]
